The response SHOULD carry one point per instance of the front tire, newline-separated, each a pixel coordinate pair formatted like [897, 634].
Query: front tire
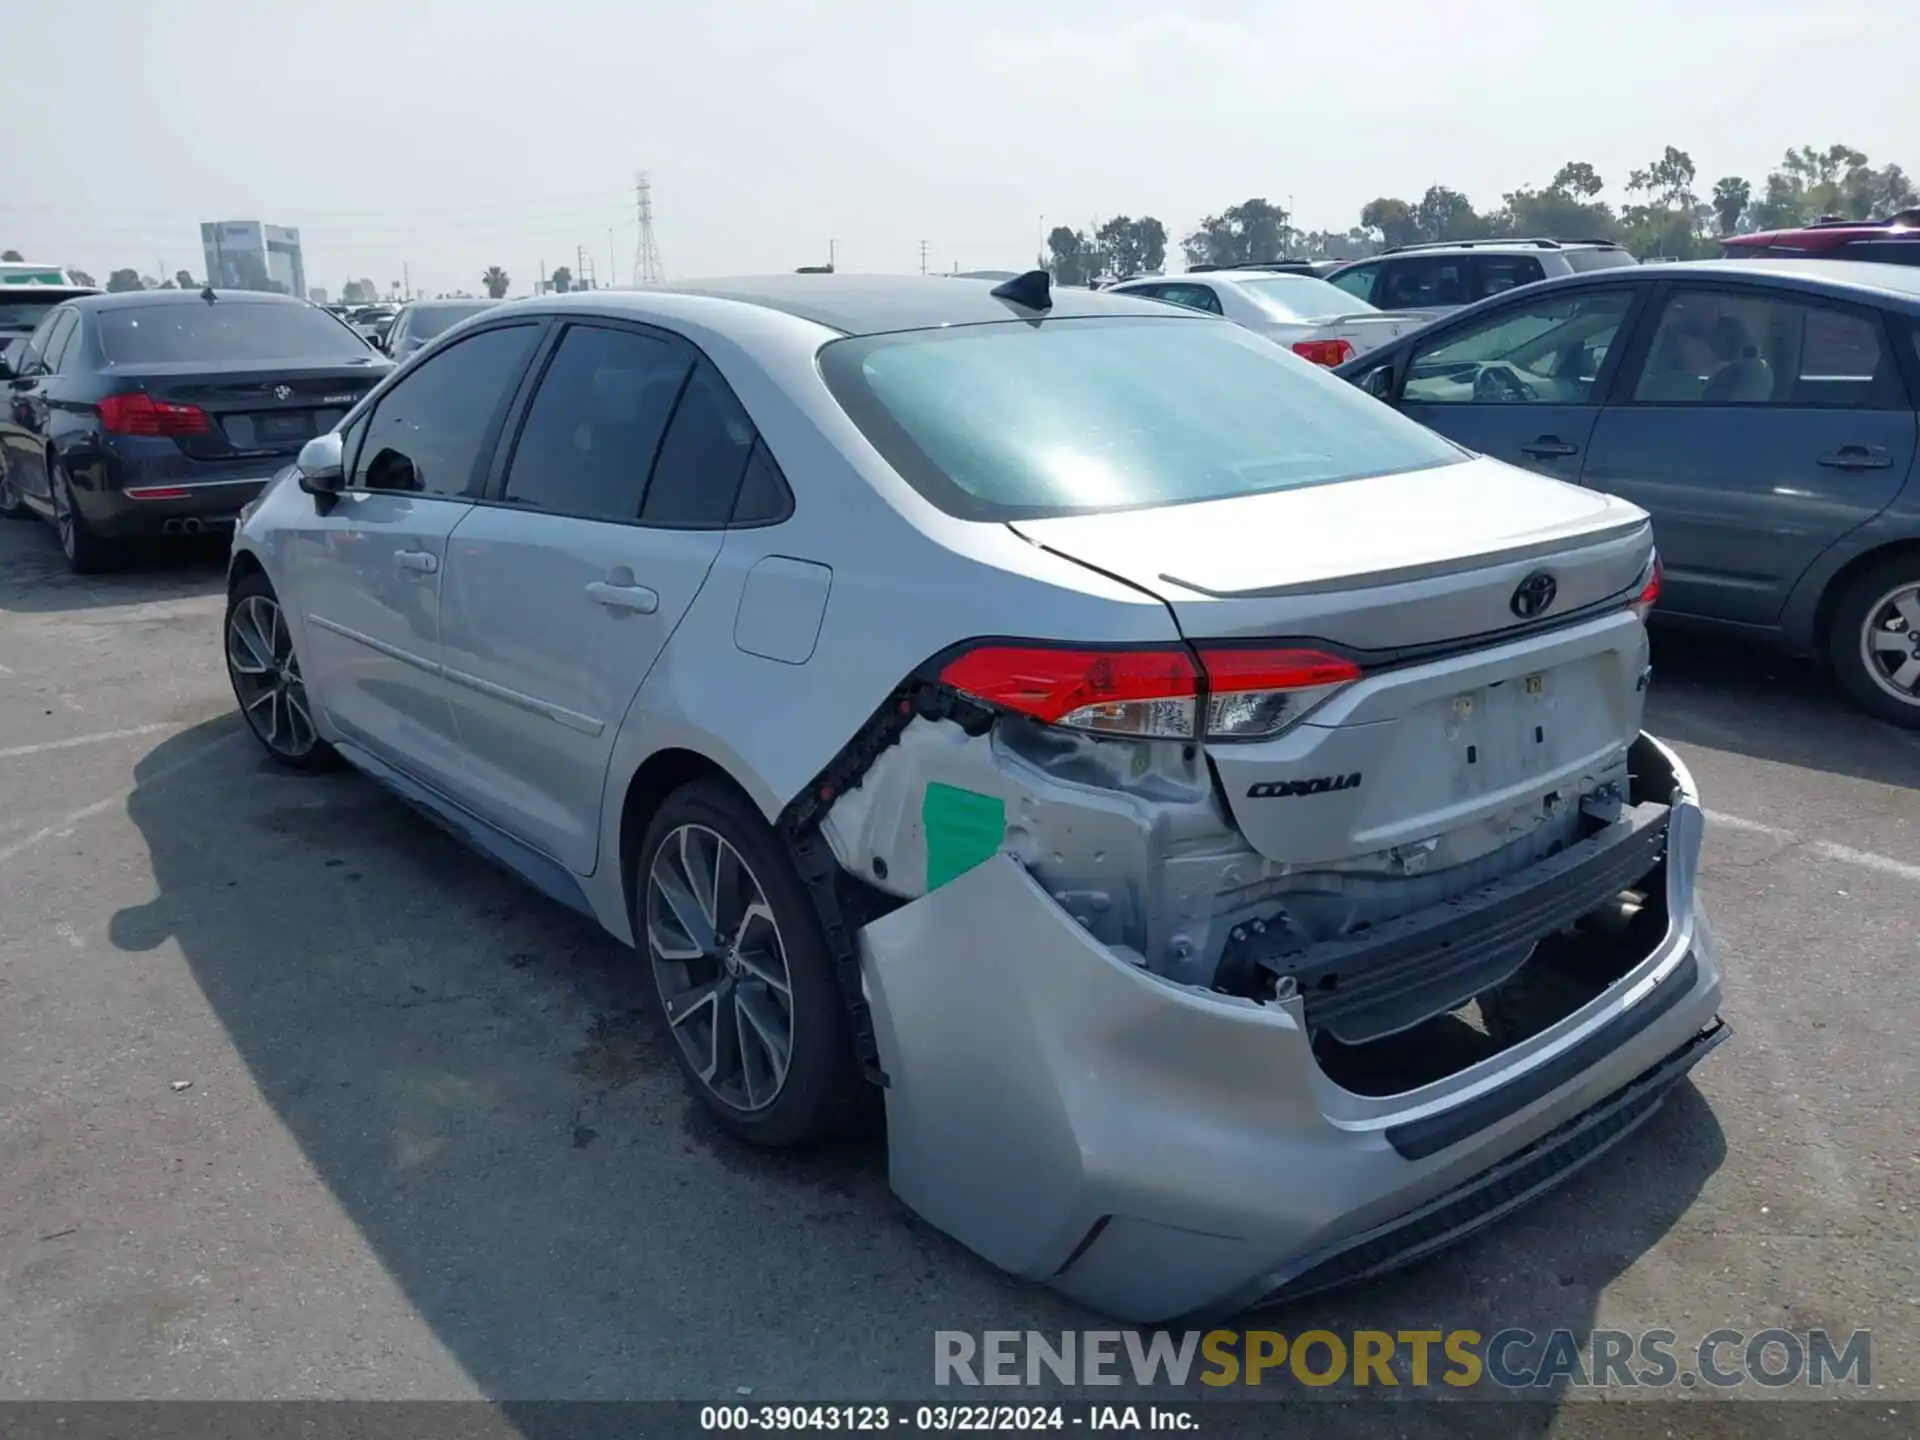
[745, 982]
[1875, 641]
[265, 674]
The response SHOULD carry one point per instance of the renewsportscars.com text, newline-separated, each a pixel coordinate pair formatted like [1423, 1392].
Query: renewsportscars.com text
[1511, 1359]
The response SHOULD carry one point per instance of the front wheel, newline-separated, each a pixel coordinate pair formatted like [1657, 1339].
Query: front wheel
[746, 984]
[1875, 641]
[266, 678]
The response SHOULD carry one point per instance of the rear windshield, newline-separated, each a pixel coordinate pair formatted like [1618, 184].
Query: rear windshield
[225, 330]
[23, 315]
[1599, 259]
[427, 321]
[1019, 421]
[1302, 297]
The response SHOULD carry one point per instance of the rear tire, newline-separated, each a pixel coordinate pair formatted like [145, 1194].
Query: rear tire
[86, 552]
[12, 507]
[265, 674]
[1874, 643]
[741, 971]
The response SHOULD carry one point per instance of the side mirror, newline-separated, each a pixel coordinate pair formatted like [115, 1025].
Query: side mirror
[1378, 382]
[322, 465]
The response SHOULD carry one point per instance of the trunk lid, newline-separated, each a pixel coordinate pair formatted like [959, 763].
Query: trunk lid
[1469, 712]
[255, 408]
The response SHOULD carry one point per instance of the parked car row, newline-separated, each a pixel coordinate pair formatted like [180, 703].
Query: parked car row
[1134, 681]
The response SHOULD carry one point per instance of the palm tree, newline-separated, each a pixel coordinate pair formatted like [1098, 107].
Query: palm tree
[496, 280]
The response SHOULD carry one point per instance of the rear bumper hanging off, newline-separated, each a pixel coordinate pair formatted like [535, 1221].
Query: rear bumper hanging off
[1155, 1149]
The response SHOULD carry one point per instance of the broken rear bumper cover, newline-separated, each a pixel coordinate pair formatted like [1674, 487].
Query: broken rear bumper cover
[1156, 1150]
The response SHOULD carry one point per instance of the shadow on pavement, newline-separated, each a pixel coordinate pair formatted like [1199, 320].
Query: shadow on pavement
[1724, 695]
[476, 1076]
[34, 579]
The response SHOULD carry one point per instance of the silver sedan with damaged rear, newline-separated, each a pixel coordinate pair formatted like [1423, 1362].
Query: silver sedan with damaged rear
[1206, 810]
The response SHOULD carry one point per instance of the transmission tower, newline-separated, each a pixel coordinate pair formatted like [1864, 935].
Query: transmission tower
[647, 269]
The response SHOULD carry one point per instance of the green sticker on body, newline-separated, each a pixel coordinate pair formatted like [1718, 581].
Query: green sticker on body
[963, 828]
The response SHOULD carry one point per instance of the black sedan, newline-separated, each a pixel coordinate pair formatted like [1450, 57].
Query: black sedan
[423, 320]
[164, 412]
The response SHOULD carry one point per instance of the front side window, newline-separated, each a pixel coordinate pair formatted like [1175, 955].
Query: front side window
[428, 431]
[1079, 416]
[1728, 348]
[426, 321]
[223, 331]
[1546, 351]
[590, 436]
[1357, 282]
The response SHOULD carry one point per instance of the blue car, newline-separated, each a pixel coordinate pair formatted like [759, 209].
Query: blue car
[1763, 412]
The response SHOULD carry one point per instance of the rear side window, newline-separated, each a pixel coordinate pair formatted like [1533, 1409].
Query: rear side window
[696, 478]
[224, 330]
[594, 427]
[1357, 282]
[1414, 283]
[427, 432]
[1010, 421]
[60, 341]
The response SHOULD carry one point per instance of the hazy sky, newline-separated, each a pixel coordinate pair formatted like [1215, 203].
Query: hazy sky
[449, 136]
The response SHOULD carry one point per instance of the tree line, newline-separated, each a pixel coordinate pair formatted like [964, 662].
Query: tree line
[1669, 214]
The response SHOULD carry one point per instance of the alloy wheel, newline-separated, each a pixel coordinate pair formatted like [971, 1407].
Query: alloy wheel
[266, 677]
[63, 520]
[721, 967]
[1890, 643]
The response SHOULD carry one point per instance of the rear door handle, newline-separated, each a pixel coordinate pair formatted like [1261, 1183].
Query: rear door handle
[421, 562]
[1858, 457]
[637, 599]
[1549, 446]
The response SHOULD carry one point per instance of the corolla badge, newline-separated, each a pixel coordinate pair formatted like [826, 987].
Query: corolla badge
[1534, 595]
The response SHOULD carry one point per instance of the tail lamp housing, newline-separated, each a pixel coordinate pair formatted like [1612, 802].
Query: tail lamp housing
[1649, 589]
[138, 413]
[1170, 692]
[1324, 352]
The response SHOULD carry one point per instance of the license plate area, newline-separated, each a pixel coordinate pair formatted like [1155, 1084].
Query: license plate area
[268, 429]
[1501, 734]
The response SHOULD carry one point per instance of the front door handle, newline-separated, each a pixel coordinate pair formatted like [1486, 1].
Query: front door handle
[421, 562]
[1549, 447]
[1858, 457]
[636, 599]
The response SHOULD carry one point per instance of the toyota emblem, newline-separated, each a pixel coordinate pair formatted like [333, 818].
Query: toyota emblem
[1534, 595]
[285, 392]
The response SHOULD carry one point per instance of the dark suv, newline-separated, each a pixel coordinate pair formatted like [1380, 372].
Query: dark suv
[1893, 241]
[1444, 274]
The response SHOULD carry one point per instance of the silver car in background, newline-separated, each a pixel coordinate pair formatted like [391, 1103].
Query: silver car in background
[1207, 810]
[1302, 312]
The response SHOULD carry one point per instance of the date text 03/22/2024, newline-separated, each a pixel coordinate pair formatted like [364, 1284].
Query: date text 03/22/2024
[946, 1419]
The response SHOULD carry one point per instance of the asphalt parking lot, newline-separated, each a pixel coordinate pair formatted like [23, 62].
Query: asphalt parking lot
[299, 1099]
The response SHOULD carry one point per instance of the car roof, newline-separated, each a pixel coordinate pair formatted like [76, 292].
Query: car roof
[1897, 283]
[879, 304]
[115, 300]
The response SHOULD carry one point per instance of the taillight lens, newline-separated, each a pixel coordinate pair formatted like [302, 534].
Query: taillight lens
[1156, 693]
[1153, 693]
[138, 413]
[1255, 692]
[1649, 592]
[1324, 352]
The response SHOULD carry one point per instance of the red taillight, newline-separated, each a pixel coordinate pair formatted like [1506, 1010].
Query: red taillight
[138, 413]
[1153, 693]
[1324, 352]
[1150, 692]
[1649, 592]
